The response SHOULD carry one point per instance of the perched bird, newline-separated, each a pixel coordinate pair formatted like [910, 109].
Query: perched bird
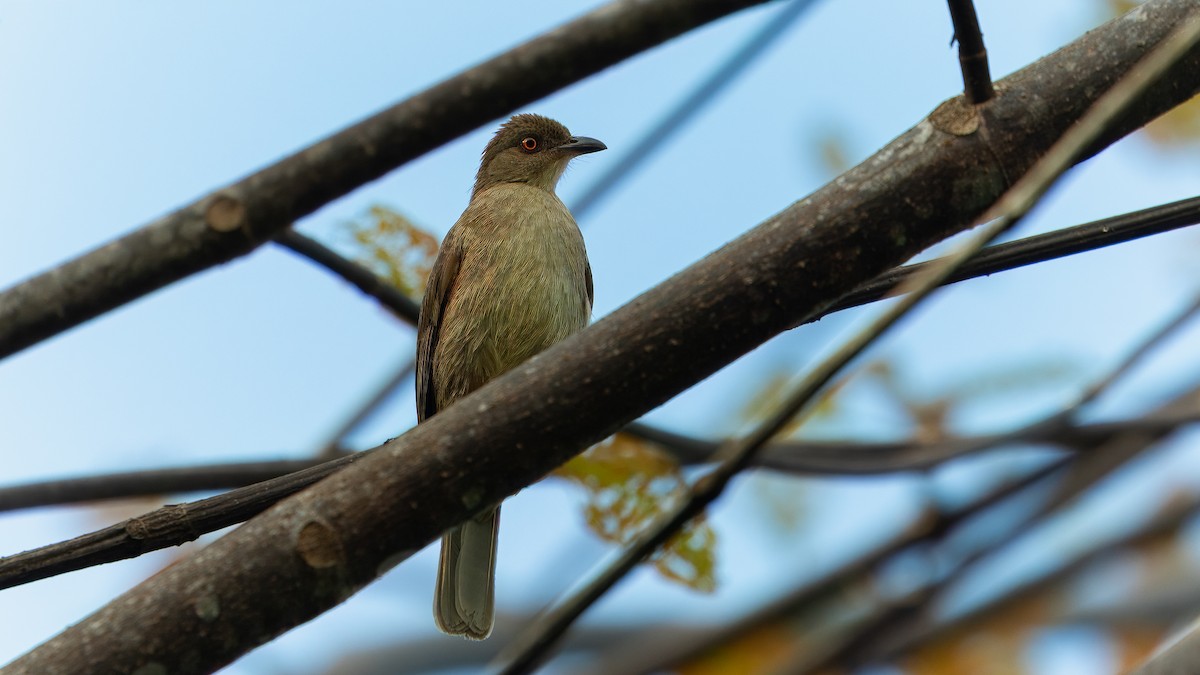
[512, 278]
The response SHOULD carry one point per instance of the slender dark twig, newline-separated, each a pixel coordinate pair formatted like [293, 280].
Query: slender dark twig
[1012, 206]
[362, 278]
[169, 526]
[972, 55]
[149, 482]
[1042, 247]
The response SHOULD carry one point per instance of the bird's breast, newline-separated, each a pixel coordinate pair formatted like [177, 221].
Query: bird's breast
[522, 285]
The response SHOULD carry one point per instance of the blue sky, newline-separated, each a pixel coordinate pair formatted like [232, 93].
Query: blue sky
[115, 113]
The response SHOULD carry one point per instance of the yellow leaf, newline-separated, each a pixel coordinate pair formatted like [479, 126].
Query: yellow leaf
[1179, 127]
[629, 483]
[394, 248]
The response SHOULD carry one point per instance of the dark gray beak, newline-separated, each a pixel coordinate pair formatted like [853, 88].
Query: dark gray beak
[581, 145]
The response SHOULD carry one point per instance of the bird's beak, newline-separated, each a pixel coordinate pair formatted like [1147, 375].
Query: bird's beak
[581, 145]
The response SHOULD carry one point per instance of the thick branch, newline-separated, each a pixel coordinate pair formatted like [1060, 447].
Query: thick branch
[316, 548]
[235, 220]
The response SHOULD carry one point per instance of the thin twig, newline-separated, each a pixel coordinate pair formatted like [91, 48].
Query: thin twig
[404, 307]
[993, 259]
[1041, 248]
[168, 526]
[972, 55]
[126, 484]
[1012, 206]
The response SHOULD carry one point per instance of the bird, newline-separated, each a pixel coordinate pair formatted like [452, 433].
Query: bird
[511, 278]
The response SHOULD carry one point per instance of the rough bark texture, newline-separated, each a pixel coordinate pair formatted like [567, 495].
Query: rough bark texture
[235, 220]
[316, 548]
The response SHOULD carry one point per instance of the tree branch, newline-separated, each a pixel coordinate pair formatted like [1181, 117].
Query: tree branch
[404, 307]
[238, 218]
[316, 548]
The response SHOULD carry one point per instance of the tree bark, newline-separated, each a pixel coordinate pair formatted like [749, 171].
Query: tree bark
[315, 549]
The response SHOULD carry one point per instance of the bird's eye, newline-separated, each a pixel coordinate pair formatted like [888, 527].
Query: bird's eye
[530, 144]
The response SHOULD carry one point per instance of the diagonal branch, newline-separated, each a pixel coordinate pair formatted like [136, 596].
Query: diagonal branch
[404, 307]
[316, 548]
[235, 220]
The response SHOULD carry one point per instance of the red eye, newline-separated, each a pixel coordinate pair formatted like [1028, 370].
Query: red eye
[530, 144]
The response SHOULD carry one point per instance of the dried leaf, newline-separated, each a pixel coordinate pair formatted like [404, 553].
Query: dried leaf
[629, 483]
[394, 248]
[1177, 129]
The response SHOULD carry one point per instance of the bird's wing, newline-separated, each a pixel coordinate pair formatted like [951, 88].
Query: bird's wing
[437, 294]
[587, 279]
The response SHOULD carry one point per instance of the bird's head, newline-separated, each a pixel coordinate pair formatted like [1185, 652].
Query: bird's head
[531, 149]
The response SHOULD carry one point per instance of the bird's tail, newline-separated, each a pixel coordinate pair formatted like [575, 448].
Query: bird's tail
[464, 600]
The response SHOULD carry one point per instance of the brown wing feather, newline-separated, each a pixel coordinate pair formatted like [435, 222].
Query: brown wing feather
[437, 294]
[587, 279]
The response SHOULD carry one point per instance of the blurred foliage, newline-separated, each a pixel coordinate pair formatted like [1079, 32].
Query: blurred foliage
[997, 637]
[834, 152]
[629, 483]
[1179, 129]
[827, 147]
[767, 398]
[395, 248]
[767, 650]
[929, 414]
